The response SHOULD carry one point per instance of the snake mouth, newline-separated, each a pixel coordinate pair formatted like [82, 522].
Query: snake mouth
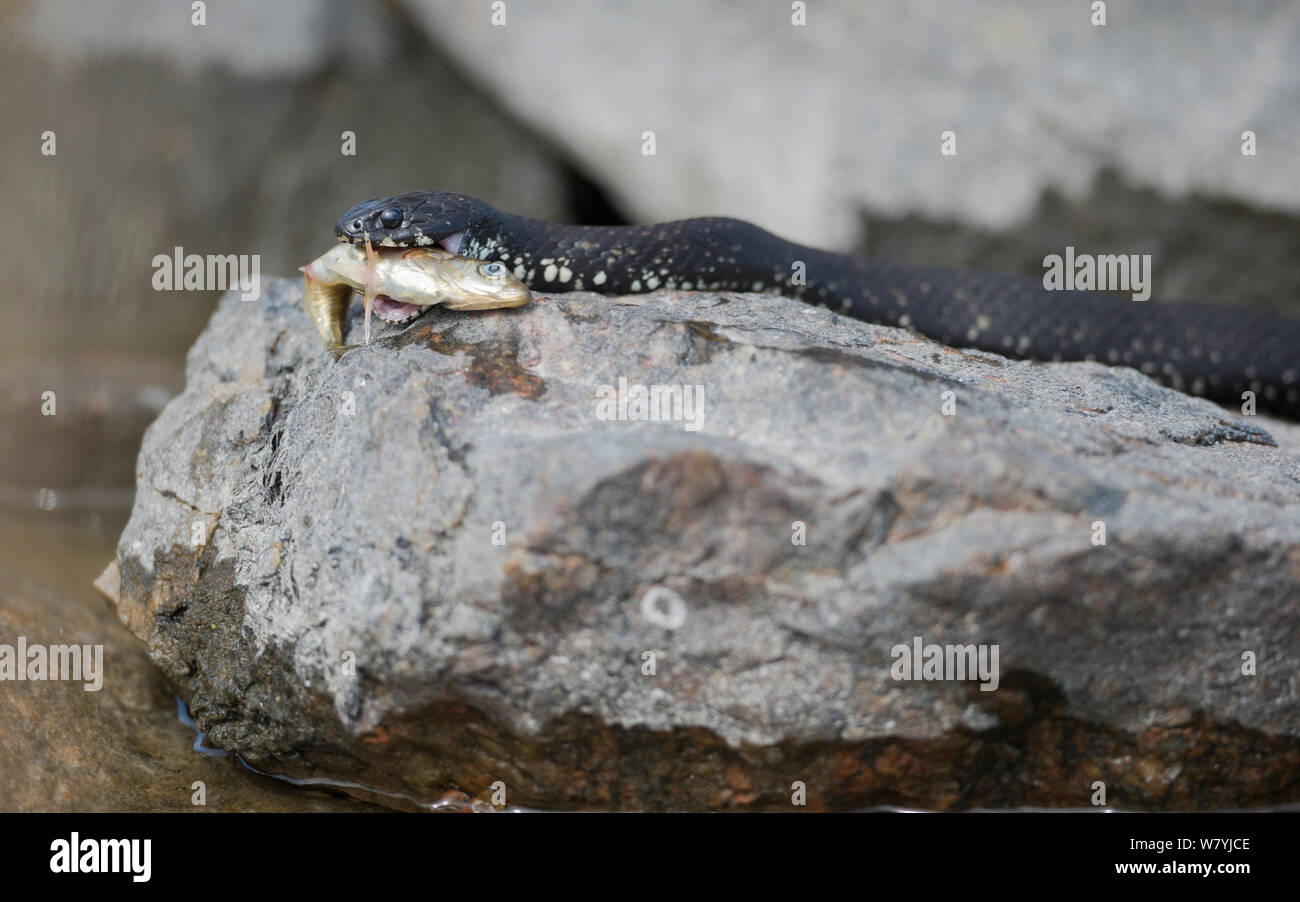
[409, 238]
[396, 312]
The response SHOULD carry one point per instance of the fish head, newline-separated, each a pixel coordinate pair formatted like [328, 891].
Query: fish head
[426, 276]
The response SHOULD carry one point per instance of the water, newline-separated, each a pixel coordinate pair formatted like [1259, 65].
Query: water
[66, 488]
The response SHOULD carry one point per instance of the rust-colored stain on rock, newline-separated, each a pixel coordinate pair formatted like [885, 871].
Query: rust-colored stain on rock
[494, 365]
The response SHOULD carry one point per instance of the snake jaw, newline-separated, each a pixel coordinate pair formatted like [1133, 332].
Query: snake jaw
[425, 220]
[451, 243]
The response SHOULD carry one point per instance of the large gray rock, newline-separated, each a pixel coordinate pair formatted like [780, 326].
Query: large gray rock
[799, 127]
[311, 560]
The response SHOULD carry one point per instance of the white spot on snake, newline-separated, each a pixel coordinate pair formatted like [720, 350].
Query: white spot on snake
[636, 284]
[598, 278]
[565, 274]
[549, 273]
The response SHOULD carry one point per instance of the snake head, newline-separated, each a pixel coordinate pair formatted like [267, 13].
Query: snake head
[422, 218]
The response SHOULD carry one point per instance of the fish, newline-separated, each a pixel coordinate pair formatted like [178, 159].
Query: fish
[399, 284]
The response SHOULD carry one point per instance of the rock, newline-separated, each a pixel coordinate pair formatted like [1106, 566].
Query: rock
[848, 111]
[431, 565]
[71, 435]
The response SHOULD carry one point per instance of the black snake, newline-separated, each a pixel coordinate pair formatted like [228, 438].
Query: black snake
[1217, 352]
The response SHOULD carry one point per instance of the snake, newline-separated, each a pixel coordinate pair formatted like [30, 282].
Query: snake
[1212, 351]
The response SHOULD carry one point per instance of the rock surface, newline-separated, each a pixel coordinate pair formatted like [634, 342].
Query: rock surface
[846, 112]
[433, 565]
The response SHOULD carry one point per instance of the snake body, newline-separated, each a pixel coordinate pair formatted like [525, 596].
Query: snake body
[1218, 352]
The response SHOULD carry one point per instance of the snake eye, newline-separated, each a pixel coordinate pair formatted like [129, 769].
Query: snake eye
[493, 270]
[391, 218]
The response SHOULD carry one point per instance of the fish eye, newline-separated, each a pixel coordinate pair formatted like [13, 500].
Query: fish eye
[493, 270]
[391, 218]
